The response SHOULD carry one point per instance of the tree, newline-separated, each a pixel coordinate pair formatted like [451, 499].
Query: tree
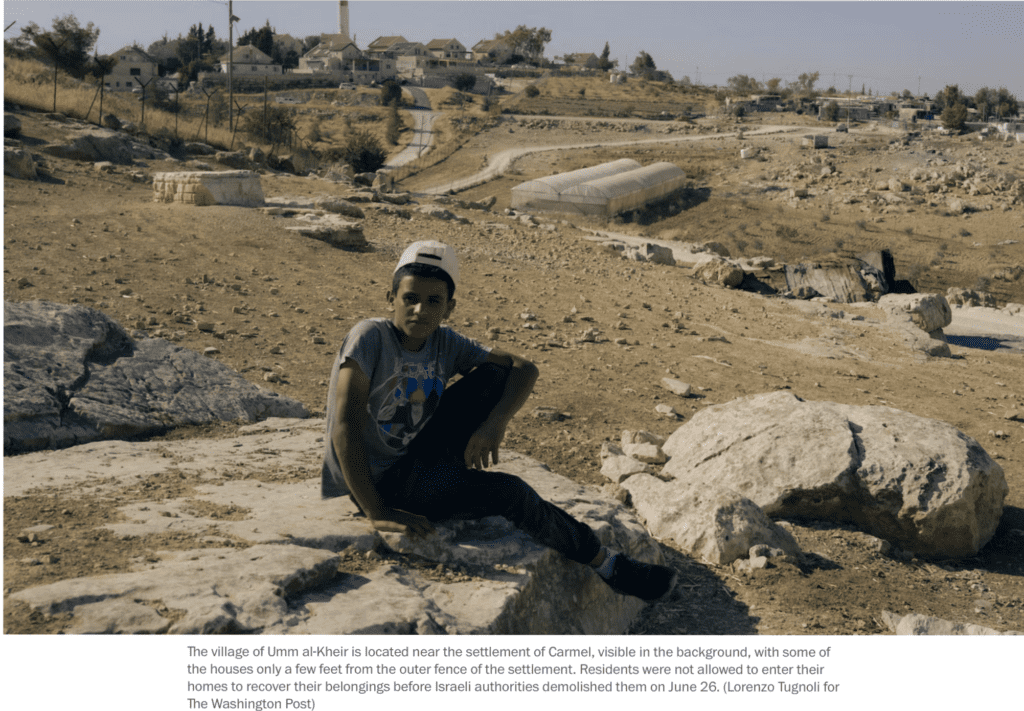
[390, 92]
[831, 112]
[309, 42]
[527, 41]
[67, 45]
[954, 116]
[907, 95]
[532, 91]
[394, 125]
[773, 85]
[262, 39]
[992, 102]
[742, 84]
[604, 62]
[949, 96]
[806, 82]
[165, 52]
[643, 65]
[464, 81]
[1005, 103]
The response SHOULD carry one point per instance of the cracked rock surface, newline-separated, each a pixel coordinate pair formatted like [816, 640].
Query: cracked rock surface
[272, 557]
[73, 375]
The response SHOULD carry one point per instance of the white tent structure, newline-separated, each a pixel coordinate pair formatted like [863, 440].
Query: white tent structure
[601, 190]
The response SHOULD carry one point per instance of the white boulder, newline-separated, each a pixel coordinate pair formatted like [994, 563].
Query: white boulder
[918, 483]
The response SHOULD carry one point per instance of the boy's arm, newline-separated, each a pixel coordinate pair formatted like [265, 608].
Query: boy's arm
[351, 395]
[487, 438]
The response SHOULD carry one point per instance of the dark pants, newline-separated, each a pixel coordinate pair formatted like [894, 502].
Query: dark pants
[432, 479]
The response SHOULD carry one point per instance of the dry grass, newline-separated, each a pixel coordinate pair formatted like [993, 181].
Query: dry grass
[30, 84]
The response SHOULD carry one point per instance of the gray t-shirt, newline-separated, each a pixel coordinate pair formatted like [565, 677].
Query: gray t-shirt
[405, 388]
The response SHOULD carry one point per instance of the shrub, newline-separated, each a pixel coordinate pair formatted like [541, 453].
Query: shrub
[362, 151]
[390, 92]
[532, 91]
[274, 126]
[831, 112]
[464, 82]
[785, 232]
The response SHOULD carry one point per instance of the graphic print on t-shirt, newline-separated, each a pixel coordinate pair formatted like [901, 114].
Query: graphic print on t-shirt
[408, 398]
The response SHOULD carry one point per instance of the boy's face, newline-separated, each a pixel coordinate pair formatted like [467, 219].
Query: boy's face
[421, 304]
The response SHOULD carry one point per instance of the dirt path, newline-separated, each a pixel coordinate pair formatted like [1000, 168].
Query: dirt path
[499, 162]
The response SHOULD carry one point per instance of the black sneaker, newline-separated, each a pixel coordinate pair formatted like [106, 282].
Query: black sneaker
[643, 580]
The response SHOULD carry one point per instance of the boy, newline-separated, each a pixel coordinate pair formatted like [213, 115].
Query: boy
[410, 451]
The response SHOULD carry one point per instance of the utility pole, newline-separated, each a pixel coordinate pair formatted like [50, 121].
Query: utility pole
[849, 99]
[231, 66]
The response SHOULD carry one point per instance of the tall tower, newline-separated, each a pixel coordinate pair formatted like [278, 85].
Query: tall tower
[343, 19]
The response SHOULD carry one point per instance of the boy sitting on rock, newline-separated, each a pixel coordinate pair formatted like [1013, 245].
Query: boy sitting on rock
[409, 450]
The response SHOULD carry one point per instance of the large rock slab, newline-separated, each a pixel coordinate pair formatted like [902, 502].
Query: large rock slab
[19, 164]
[915, 482]
[916, 624]
[73, 375]
[718, 270]
[227, 187]
[919, 319]
[94, 144]
[220, 590]
[929, 312]
[283, 580]
[844, 281]
[332, 229]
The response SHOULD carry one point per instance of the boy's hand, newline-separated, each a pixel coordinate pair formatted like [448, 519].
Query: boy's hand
[484, 444]
[399, 521]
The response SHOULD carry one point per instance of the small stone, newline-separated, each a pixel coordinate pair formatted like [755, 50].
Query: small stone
[211, 351]
[549, 414]
[645, 452]
[676, 386]
[667, 411]
[619, 468]
[640, 437]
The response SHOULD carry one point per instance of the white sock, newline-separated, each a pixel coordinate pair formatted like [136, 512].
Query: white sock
[605, 569]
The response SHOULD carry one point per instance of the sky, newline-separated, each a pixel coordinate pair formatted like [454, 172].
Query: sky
[882, 46]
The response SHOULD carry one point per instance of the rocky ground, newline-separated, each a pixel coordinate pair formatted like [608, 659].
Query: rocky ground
[281, 303]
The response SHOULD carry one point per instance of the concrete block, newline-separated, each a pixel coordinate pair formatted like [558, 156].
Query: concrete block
[231, 187]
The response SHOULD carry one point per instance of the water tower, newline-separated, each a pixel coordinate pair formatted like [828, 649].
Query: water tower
[343, 19]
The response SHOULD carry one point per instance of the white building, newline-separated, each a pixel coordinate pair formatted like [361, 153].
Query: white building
[249, 62]
[133, 69]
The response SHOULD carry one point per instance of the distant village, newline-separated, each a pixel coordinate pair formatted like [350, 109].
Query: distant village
[335, 60]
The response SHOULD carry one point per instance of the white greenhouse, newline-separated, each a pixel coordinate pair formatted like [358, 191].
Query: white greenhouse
[601, 190]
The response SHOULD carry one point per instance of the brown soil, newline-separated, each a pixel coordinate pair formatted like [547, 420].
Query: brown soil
[85, 237]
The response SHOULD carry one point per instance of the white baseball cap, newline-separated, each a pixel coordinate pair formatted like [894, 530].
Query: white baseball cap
[436, 254]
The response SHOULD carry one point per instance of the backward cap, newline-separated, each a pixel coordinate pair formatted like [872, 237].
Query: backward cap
[436, 254]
